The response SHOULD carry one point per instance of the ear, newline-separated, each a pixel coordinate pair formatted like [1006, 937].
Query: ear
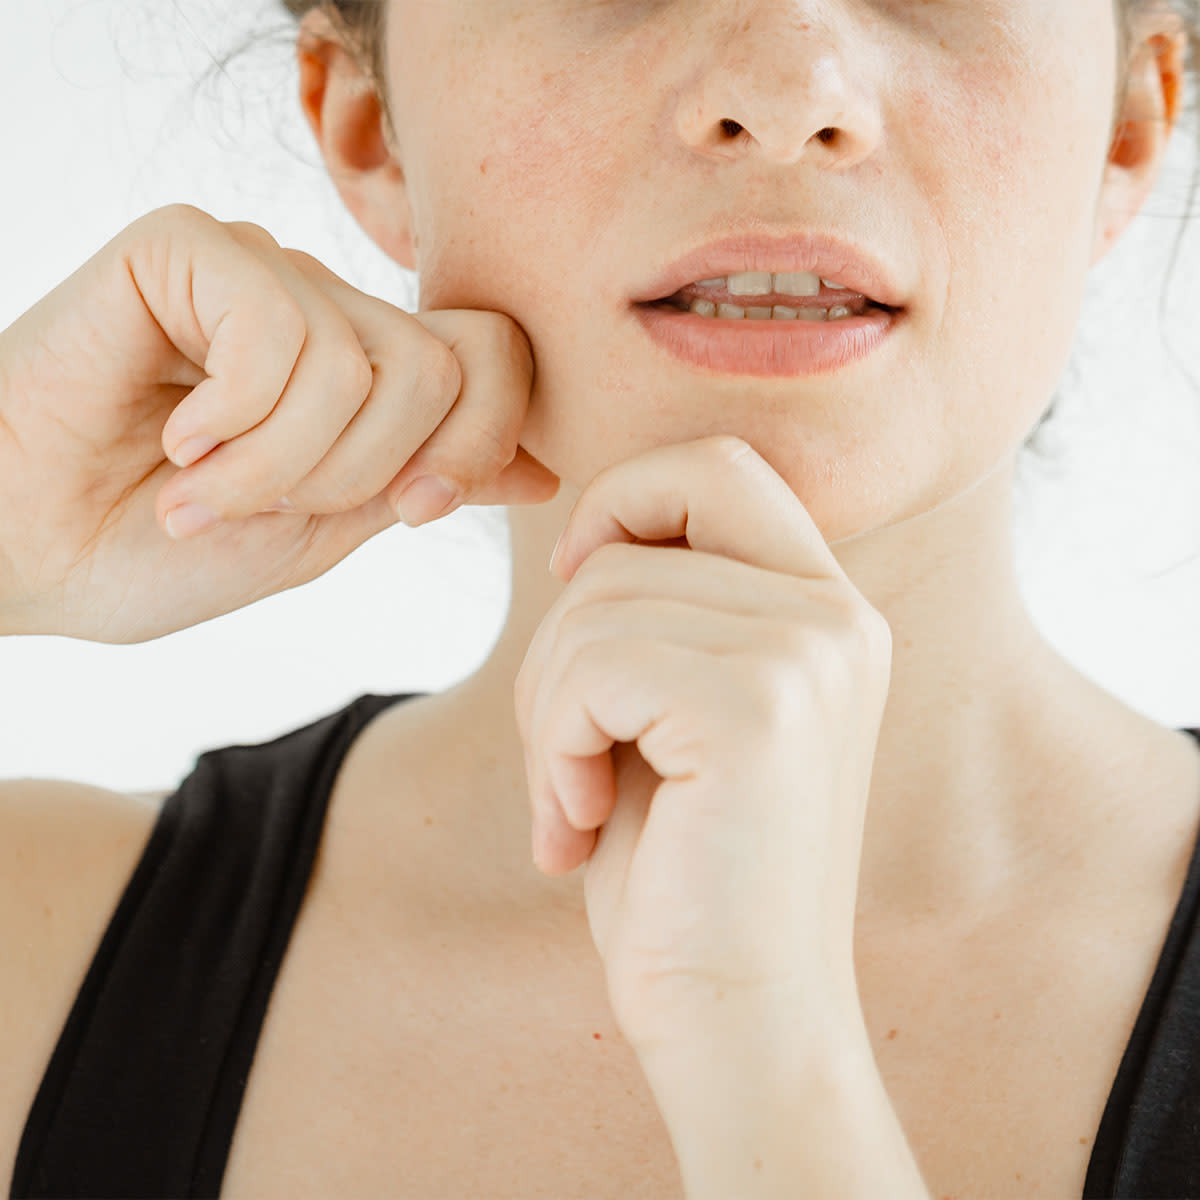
[348, 122]
[1144, 122]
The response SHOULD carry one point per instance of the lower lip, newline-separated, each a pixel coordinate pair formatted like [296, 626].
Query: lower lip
[771, 349]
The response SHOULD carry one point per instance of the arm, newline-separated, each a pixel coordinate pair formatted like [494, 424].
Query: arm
[759, 1118]
[67, 851]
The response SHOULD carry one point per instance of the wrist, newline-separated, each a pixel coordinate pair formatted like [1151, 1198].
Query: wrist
[748, 1056]
[772, 1122]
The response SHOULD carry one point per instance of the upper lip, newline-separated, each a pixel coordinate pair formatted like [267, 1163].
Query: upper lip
[832, 258]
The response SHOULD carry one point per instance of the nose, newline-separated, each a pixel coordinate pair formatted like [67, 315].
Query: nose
[786, 81]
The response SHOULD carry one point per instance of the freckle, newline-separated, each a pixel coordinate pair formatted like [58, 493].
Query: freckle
[996, 1017]
[892, 1033]
[428, 820]
[483, 167]
[596, 1036]
[758, 1164]
[1083, 1141]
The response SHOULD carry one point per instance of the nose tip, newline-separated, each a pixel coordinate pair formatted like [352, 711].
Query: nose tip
[784, 97]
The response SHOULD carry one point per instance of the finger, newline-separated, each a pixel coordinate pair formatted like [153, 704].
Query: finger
[630, 691]
[478, 446]
[717, 492]
[465, 431]
[331, 379]
[227, 310]
[620, 571]
[608, 625]
[450, 397]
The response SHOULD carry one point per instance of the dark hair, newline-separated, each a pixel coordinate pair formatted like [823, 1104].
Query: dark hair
[363, 25]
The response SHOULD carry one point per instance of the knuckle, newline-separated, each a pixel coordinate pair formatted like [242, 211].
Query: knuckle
[352, 368]
[438, 374]
[247, 231]
[766, 695]
[287, 326]
[302, 259]
[492, 450]
[172, 215]
[572, 631]
[511, 343]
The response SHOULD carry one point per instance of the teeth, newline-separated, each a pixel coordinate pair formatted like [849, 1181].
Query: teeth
[762, 283]
[750, 283]
[780, 312]
[799, 283]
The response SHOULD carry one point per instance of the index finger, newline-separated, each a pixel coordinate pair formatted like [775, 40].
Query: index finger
[717, 493]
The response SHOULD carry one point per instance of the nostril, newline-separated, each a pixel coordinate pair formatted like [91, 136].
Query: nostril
[827, 134]
[731, 127]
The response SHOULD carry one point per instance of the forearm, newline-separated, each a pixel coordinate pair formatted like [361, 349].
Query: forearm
[784, 1125]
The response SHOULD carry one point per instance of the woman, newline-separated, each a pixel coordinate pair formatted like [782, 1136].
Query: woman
[878, 887]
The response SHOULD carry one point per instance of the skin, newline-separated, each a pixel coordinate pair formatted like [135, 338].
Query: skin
[549, 157]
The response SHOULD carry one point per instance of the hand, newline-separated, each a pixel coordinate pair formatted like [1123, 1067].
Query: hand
[712, 708]
[299, 387]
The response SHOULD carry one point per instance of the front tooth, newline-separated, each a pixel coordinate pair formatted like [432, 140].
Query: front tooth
[799, 283]
[750, 283]
[731, 312]
[712, 283]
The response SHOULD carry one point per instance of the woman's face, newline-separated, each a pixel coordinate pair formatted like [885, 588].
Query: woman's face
[559, 154]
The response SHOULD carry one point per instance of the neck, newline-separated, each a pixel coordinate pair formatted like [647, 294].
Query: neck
[977, 706]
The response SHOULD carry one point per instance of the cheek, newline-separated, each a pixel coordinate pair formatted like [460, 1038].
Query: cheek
[554, 154]
[539, 176]
[1011, 174]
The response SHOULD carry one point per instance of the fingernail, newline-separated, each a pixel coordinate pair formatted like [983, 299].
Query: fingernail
[425, 499]
[557, 548]
[189, 519]
[193, 450]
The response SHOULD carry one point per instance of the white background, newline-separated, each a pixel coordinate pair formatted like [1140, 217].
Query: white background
[106, 117]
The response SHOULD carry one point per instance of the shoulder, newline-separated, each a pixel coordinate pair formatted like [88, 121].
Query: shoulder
[67, 851]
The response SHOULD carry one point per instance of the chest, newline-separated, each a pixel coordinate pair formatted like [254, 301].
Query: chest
[488, 1069]
[439, 1032]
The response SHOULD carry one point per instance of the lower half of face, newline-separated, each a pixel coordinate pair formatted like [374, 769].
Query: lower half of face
[574, 179]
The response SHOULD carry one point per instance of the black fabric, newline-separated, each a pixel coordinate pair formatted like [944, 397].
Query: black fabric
[142, 1095]
[1148, 1143]
[143, 1090]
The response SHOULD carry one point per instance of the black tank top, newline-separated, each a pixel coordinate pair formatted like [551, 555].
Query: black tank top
[142, 1094]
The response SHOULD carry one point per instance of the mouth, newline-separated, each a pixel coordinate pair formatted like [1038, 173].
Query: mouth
[785, 325]
[766, 297]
